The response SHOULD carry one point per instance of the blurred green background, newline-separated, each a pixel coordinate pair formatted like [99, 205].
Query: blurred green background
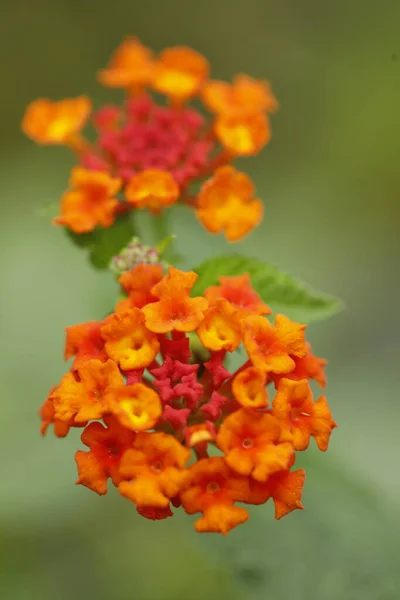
[330, 182]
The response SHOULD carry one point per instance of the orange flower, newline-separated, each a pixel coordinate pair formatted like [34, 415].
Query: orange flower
[308, 367]
[271, 348]
[48, 122]
[251, 442]
[153, 189]
[91, 202]
[137, 406]
[131, 66]
[128, 341]
[180, 72]
[243, 135]
[239, 292]
[154, 469]
[285, 488]
[107, 446]
[60, 428]
[176, 310]
[302, 418]
[226, 203]
[243, 96]
[249, 389]
[85, 398]
[211, 489]
[84, 342]
[138, 283]
[220, 329]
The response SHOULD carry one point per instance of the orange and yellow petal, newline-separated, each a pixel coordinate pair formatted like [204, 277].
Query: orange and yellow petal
[249, 388]
[226, 204]
[240, 293]
[243, 135]
[138, 283]
[137, 406]
[83, 396]
[153, 469]
[264, 347]
[91, 472]
[131, 66]
[48, 122]
[153, 189]
[244, 96]
[180, 73]
[291, 335]
[220, 329]
[90, 202]
[128, 341]
[285, 488]
[251, 442]
[175, 310]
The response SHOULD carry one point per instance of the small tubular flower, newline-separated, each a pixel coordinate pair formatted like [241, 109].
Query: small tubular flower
[285, 488]
[243, 135]
[249, 388]
[301, 418]
[212, 489]
[252, 445]
[226, 204]
[307, 367]
[84, 342]
[180, 73]
[239, 292]
[270, 348]
[91, 201]
[153, 470]
[128, 341]
[175, 310]
[106, 447]
[220, 329]
[48, 122]
[131, 67]
[85, 398]
[138, 283]
[153, 189]
[46, 412]
[244, 95]
[137, 406]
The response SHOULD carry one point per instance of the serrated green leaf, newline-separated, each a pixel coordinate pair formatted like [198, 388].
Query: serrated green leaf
[102, 244]
[282, 292]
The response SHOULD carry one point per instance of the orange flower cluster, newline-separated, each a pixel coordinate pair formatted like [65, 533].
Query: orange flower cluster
[151, 412]
[148, 155]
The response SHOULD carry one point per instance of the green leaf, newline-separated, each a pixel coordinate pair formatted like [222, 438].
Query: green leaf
[102, 244]
[282, 292]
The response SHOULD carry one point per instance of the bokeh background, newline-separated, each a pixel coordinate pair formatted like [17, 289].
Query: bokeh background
[330, 181]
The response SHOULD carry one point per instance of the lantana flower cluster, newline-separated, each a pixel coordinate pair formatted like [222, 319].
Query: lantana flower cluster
[165, 419]
[152, 154]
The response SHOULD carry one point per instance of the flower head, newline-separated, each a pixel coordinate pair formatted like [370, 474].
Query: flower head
[48, 122]
[226, 203]
[91, 201]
